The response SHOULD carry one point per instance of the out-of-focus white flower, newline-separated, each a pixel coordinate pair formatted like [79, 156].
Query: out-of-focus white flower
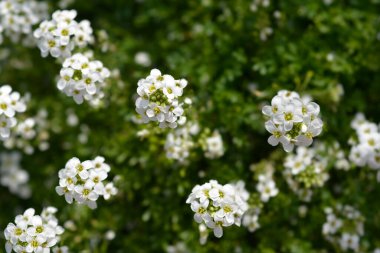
[17, 19]
[344, 226]
[179, 143]
[13, 176]
[267, 186]
[179, 247]
[251, 220]
[59, 36]
[292, 120]
[84, 182]
[143, 59]
[11, 103]
[82, 79]
[214, 146]
[158, 99]
[63, 249]
[29, 133]
[365, 151]
[33, 233]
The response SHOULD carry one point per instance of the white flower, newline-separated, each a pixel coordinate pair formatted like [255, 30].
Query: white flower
[84, 182]
[292, 120]
[33, 233]
[332, 225]
[349, 241]
[59, 36]
[158, 99]
[267, 188]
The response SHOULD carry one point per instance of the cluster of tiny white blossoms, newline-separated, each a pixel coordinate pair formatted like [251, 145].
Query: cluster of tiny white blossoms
[183, 140]
[251, 219]
[61, 35]
[13, 176]
[11, 103]
[84, 183]
[31, 132]
[82, 78]
[266, 185]
[217, 205]
[17, 19]
[306, 167]
[179, 143]
[331, 154]
[213, 146]
[292, 120]
[158, 99]
[33, 233]
[365, 149]
[343, 227]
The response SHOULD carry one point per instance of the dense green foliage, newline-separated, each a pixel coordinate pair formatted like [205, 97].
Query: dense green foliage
[216, 46]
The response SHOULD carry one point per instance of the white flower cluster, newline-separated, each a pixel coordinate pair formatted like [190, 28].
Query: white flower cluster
[29, 133]
[267, 186]
[306, 167]
[218, 205]
[82, 78]
[17, 19]
[292, 120]
[365, 149]
[158, 99]
[83, 182]
[13, 176]
[33, 233]
[343, 227]
[11, 103]
[213, 146]
[332, 155]
[59, 36]
[179, 143]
